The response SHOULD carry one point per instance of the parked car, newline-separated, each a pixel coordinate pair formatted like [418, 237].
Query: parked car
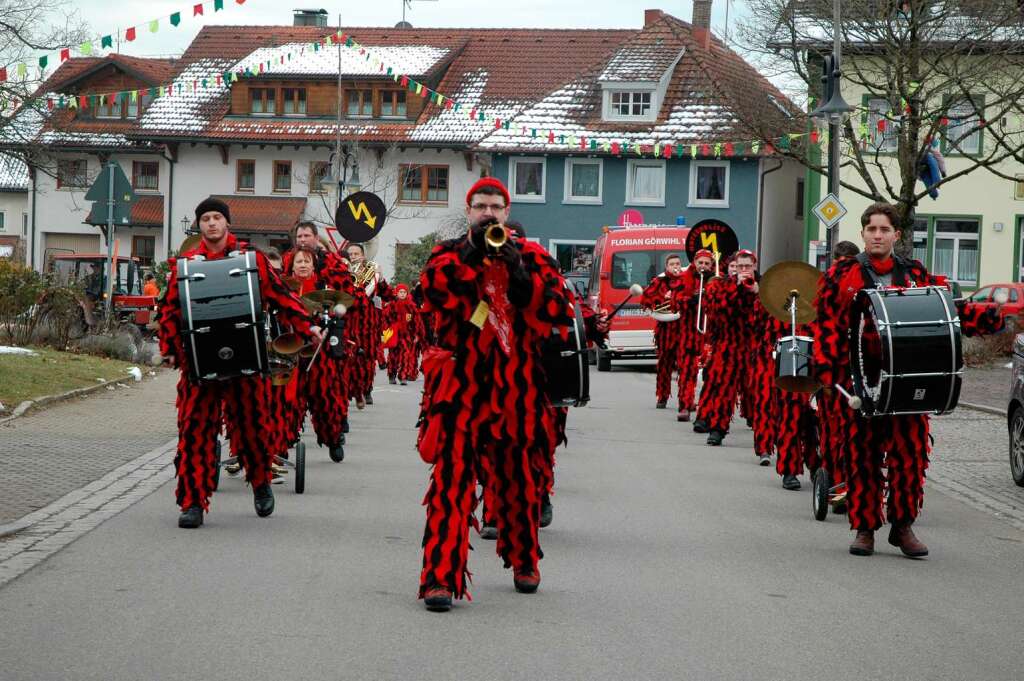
[991, 295]
[1015, 412]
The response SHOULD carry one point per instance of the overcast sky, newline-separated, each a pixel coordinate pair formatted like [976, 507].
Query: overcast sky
[102, 20]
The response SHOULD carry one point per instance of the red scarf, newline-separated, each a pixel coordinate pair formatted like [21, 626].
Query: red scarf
[882, 265]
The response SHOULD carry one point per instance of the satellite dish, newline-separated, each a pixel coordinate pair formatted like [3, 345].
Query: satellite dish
[403, 24]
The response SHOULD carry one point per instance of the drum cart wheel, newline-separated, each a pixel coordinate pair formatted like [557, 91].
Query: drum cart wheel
[216, 465]
[820, 494]
[300, 468]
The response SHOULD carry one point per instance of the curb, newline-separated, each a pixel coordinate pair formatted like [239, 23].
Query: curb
[983, 408]
[25, 406]
[15, 527]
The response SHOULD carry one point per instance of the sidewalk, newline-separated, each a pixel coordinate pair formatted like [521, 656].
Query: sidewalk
[47, 454]
[988, 386]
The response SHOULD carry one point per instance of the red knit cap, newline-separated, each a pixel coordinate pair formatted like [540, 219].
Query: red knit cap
[745, 253]
[703, 253]
[401, 287]
[489, 182]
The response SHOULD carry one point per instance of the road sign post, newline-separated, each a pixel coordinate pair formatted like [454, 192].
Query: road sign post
[113, 189]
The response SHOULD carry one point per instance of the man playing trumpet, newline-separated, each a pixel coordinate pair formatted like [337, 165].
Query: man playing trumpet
[659, 298]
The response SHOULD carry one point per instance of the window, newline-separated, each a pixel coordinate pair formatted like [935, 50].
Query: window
[635, 267]
[140, 104]
[3, 220]
[318, 170]
[72, 173]
[583, 180]
[887, 139]
[144, 248]
[294, 101]
[109, 109]
[799, 199]
[630, 105]
[392, 104]
[282, 176]
[423, 184]
[262, 101]
[921, 239]
[573, 256]
[360, 103]
[1018, 188]
[955, 251]
[245, 175]
[963, 133]
[709, 184]
[24, 223]
[645, 183]
[146, 175]
[981, 295]
[527, 179]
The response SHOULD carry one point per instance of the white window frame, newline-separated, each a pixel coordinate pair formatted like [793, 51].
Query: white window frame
[3, 221]
[610, 114]
[528, 198]
[24, 224]
[567, 196]
[957, 238]
[553, 245]
[693, 201]
[972, 119]
[630, 165]
[883, 142]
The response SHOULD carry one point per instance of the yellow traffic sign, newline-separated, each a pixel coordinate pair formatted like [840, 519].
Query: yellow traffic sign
[830, 210]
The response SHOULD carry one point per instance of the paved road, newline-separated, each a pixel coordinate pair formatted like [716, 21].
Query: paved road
[667, 560]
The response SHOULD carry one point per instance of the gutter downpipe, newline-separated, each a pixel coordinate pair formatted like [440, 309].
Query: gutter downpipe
[760, 209]
[32, 240]
[170, 202]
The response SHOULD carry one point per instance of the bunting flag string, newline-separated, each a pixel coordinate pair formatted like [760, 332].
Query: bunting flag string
[102, 42]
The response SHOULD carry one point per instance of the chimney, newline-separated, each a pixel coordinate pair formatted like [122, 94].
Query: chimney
[309, 17]
[702, 22]
[650, 16]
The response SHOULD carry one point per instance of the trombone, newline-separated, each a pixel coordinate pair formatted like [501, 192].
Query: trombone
[701, 328]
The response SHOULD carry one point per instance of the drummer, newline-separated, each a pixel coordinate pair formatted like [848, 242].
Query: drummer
[901, 442]
[240, 401]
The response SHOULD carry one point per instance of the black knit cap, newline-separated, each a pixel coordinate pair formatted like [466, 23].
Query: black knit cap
[211, 204]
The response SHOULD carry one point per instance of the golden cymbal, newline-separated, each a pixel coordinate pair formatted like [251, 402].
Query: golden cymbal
[329, 298]
[190, 242]
[781, 282]
[292, 283]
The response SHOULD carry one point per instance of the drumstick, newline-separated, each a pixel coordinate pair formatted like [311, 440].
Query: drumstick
[634, 290]
[852, 400]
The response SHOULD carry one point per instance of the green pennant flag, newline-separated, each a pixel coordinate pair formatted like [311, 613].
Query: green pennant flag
[42, 61]
[22, 69]
[85, 48]
[107, 41]
[175, 18]
[154, 26]
[218, 5]
[152, 92]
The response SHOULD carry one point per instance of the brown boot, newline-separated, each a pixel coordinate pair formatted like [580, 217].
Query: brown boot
[901, 536]
[864, 544]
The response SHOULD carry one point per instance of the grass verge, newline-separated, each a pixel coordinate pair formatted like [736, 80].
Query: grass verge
[50, 372]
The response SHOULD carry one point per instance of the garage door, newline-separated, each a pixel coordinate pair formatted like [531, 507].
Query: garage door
[55, 243]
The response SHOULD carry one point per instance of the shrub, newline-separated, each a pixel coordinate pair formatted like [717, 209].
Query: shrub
[20, 288]
[120, 344]
[982, 350]
[410, 260]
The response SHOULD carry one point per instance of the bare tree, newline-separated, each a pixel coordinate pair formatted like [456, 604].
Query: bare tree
[942, 74]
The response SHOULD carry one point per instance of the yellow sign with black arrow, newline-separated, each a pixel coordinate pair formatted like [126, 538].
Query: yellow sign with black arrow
[360, 217]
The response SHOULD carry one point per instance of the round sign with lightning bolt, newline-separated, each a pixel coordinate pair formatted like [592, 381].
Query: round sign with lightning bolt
[360, 217]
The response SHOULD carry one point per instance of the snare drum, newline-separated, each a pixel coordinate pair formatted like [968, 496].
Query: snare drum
[224, 326]
[565, 364]
[905, 351]
[793, 364]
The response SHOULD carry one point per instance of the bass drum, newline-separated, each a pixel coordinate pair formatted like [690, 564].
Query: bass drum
[905, 351]
[224, 327]
[566, 366]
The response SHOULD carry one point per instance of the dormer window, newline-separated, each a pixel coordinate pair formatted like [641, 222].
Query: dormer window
[631, 103]
[262, 101]
[294, 100]
[392, 104]
[360, 103]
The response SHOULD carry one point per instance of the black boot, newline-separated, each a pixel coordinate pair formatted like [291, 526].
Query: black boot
[191, 518]
[700, 426]
[337, 453]
[369, 398]
[790, 482]
[392, 380]
[547, 511]
[715, 438]
[263, 500]
[344, 425]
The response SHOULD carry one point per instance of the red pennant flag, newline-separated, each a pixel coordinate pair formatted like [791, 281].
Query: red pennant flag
[814, 136]
[497, 123]
[405, 83]
[197, 10]
[240, 2]
[705, 150]
[881, 125]
[667, 153]
[615, 148]
[472, 113]
[729, 149]
[261, 67]
[943, 121]
[551, 137]
[83, 102]
[129, 34]
[583, 142]
[65, 54]
[49, 103]
[424, 92]
[3, 73]
[769, 149]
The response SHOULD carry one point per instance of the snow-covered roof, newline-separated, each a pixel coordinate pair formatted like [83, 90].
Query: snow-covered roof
[189, 107]
[301, 59]
[13, 174]
[640, 63]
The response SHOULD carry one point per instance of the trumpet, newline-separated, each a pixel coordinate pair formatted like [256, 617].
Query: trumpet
[495, 236]
[701, 328]
[365, 274]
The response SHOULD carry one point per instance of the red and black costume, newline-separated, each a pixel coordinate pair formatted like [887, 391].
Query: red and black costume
[762, 399]
[659, 293]
[485, 414]
[242, 403]
[729, 305]
[691, 339]
[321, 388]
[794, 423]
[402, 318]
[900, 443]
[367, 324]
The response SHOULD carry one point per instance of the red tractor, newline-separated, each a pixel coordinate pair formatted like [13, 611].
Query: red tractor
[89, 270]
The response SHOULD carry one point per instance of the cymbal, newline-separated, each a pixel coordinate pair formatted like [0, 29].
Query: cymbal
[292, 283]
[329, 298]
[781, 281]
[189, 243]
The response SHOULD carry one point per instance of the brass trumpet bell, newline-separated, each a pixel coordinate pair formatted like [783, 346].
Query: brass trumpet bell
[495, 236]
[287, 344]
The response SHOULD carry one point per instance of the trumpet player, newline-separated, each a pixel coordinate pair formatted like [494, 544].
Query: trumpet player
[690, 301]
[367, 323]
[659, 298]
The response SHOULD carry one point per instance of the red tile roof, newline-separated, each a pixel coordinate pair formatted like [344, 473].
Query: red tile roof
[263, 214]
[147, 211]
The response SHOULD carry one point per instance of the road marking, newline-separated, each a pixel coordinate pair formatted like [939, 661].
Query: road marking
[55, 526]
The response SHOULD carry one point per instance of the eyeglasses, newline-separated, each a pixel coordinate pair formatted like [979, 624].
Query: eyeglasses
[486, 206]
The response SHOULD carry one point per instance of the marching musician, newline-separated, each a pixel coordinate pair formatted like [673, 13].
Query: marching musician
[402, 318]
[730, 302]
[688, 298]
[241, 402]
[482, 405]
[901, 442]
[367, 323]
[762, 394]
[321, 384]
[659, 297]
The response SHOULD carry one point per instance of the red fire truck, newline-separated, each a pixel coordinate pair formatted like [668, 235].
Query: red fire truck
[624, 256]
